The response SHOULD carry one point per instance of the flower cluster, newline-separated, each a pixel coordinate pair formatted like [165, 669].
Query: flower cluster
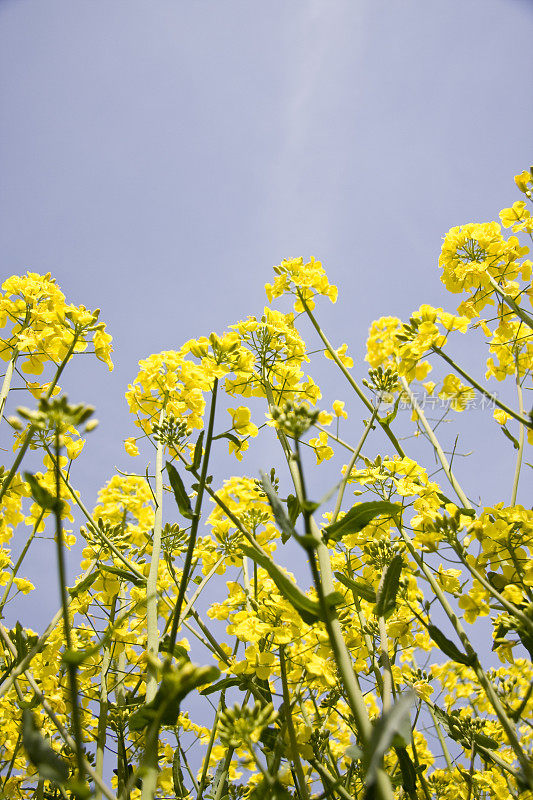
[327, 619]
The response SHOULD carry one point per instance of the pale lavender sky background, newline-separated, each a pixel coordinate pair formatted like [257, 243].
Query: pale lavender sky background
[159, 157]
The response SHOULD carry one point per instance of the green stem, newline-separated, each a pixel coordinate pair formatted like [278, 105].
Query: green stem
[521, 441]
[205, 765]
[120, 700]
[438, 449]
[302, 787]
[150, 769]
[333, 782]
[199, 589]
[104, 706]
[355, 386]
[71, 668]
[323, 581]
[351, 465]
[195, 522]
[441, 738]
[387, 669]
[152, 633]
[472, 381]
[7, 382]
[324, 586]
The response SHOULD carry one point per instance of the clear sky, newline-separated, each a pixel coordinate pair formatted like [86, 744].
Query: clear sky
[159, 157]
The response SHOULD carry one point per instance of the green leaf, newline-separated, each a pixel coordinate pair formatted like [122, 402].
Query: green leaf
[443, 499]
[219, 776]
[510, 436]
[231, 437]
[123, 573]
[164, 647]
[360, 588]
[408, 772]
[391, 416]
[449, 648]
[50, 765]
[388, 588]
[335, 599]
[392, 728]
[85, 584]
[281, 518]
[219, 686]
[40, 494]
[307, 541]
[359, 516]
[293, 507]
[197, 455]
[308, 609]
[486, 741]
[22, 641]
[181, 496]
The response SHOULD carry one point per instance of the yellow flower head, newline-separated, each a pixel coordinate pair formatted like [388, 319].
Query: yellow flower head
[472, 253]
[304, 281]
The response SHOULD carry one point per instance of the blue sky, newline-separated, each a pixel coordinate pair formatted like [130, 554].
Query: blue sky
[159, 157]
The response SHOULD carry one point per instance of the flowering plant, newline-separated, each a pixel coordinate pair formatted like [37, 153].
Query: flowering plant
[370, 682]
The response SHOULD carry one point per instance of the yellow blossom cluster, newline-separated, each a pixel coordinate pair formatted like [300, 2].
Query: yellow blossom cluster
[303, 280]
[43, 327]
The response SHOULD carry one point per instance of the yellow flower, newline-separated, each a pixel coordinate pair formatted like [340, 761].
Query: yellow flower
[302, 280]
[320, 445]
[472, 253]
[381, 344]
[130, 446]
[517, 216]
[448, 579]
[524, 181]
[338, 408]
[459, 394]
[241, 423]
[102, 346]
[474, 603]
[501, 416]
[341, 354]
[23, 585]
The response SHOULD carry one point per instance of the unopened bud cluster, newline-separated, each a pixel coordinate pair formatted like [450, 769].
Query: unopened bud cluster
[171, 432]
[239, 726]
[409, 330]
[253, 518]
[380, 553]
[445, 527]
[174, 539]
[294, 420]
[56, 413]
[382, 381]
[464, 729]
[115, 533]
